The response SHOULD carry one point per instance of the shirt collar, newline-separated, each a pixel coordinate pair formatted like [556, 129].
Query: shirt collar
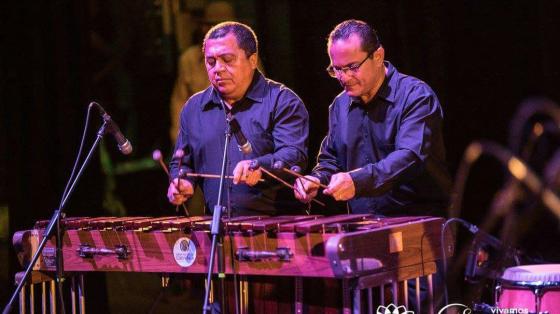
[386, 90]
[255, 92]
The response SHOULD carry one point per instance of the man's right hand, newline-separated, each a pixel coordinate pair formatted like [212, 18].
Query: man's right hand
[305, 190]
[179, 191]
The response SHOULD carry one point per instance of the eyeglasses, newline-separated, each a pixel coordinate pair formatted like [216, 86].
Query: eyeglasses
[353, 68]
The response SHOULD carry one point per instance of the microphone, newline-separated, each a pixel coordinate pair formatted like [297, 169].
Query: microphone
[486, 237]
[124, 145]
[487, 256]
[242, 142]
[111, 127]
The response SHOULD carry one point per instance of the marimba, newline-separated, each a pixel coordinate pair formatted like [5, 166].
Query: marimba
[360, 250]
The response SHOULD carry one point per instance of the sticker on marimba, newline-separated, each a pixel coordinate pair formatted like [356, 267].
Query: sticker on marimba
[184, 252]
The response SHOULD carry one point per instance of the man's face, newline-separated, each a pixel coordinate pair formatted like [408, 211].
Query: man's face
[229, 70]
[363, 81]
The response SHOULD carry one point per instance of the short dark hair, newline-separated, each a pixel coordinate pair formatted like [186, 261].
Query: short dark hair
[367, 34]
[245, 36]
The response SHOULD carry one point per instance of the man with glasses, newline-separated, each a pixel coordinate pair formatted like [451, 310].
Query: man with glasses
[272, 118]
[384, 151]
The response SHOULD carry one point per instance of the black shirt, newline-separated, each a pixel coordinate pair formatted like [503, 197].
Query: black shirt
[393, 145]
[273, 119]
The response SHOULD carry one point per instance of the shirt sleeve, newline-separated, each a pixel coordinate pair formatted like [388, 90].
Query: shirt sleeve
[182, 143]
[421, 118]
[289, 132]
[327, 160]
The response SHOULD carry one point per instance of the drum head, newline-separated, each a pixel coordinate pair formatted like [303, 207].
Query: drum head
[545, 273]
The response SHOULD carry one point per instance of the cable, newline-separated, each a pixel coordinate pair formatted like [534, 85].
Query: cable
[472, 228]
[56, 219]
[79, 154]
[70, 179]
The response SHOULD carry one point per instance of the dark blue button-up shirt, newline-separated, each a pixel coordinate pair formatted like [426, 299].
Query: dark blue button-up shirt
[393, 145]
[273, 119]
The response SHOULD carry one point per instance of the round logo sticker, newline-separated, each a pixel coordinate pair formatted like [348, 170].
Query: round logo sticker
[184, 252]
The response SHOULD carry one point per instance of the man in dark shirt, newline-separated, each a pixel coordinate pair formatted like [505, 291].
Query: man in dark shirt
[272, 117]
[384, 151]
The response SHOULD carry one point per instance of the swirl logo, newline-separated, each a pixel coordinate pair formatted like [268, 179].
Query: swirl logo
[466, 309]
[393, 309]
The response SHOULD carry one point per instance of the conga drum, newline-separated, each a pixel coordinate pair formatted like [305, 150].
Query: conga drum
[530, 289]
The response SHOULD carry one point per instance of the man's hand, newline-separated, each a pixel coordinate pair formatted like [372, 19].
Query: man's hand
[305, 190]
[243, 174]
[341, 187]
[179, 191]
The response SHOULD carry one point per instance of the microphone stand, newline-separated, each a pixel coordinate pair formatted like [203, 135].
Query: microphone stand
[55, 225]
[215, 227]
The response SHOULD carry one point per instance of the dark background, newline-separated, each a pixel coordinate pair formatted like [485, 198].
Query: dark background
[481, 57]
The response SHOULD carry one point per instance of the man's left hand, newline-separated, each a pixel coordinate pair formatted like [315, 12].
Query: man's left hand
[341, 187]
[243, 173]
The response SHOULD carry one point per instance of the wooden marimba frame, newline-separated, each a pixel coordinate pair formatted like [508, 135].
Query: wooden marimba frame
[362, 253]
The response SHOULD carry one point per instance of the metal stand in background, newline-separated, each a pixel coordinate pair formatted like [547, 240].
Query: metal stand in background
[54, 224]
[215, 229]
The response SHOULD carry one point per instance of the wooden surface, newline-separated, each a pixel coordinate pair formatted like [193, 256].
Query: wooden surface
[356, 253]
[151, 243]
